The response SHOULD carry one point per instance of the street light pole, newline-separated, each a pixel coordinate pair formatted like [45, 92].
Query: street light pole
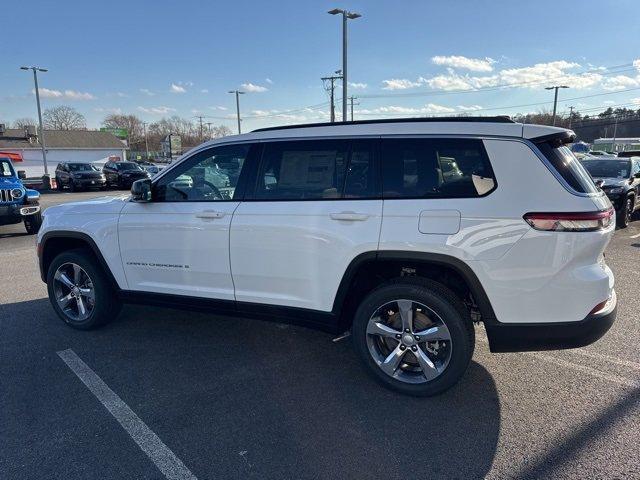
[345, 16]
[238, 93]
[42, 141]
[146, 141]
[555, 99]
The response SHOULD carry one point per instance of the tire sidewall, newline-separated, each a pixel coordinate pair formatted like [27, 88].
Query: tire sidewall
[462, 341]
[102, 290]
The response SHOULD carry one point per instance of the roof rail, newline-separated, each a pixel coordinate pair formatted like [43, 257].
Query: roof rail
[496, 119]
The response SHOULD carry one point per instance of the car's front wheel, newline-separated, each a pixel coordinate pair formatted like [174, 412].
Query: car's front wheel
[80, 291]
[414, 335]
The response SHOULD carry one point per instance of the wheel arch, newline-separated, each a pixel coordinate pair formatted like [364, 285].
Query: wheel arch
[53, 243]
[369, 269]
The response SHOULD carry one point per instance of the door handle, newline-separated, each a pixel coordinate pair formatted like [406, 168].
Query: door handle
[349, 216]
[209, 214]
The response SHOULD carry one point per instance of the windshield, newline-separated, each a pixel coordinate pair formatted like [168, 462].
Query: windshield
[83, 167]
[608, 168]
[129, 166]
[6, 168]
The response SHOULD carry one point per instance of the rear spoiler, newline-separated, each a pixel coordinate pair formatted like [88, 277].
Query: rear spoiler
[556, 139]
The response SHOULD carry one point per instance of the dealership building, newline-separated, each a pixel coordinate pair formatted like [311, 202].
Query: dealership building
[61, 146]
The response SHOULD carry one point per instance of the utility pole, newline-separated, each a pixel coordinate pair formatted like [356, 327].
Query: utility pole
[200, 117]
[238, 93]
[615, 131]
[351, 99]
[146, 140]
[332, 79]
[570, 115]
[209, 129]
[555, 99]
[345, 16]
[41, 137]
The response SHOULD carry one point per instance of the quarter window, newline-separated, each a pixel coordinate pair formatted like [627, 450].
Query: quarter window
[435, 168]
[208, 176]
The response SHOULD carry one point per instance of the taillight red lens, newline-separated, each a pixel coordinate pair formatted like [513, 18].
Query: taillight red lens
[570, 222]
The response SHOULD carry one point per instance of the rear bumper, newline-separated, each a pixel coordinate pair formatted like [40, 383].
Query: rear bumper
[510, 337]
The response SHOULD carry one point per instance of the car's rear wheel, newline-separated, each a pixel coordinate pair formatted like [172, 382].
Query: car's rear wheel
[624, 217]
[414, 335]
[79, 290]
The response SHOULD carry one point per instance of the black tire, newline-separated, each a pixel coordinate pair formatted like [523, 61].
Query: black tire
[106, 307]
[32, 223]
[624, 217]
[452, 312]
[72, 187]
[59, 185]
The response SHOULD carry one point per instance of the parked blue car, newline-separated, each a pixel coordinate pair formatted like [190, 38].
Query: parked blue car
[17, 204]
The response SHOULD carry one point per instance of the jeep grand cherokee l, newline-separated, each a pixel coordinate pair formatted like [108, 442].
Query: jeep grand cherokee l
[360, 226]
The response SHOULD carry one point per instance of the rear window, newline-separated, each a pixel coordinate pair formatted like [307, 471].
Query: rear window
[567, 165]
[435, 168]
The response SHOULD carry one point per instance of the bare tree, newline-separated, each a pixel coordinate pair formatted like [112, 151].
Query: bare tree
[132, 124]
[220, 131]
[23, 122]
[63, 118]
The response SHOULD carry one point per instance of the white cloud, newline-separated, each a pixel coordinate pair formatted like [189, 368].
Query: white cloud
[250, 87]
[357, 85]
[219, 107]
[157, 110]
[204, 90]
[609, 102]
[635, 101]
[269, 81]
[468, 108]
[147, 92]
[534, 77]
[458, 61]
[429, 108]
[620, 82]
[636, 64]
[121, 95]
[399, 84]
[115, 111]
[177, 88]
[68, 94]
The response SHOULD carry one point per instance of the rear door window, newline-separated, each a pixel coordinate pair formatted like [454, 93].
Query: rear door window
[570, 169]
[435, 168]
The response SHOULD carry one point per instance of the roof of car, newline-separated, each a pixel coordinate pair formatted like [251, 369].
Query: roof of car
[480, 126]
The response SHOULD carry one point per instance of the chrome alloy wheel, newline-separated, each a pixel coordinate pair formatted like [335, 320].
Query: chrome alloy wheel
[74, 292]
[409, 341]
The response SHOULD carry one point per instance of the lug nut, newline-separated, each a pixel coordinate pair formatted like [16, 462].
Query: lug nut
[406, 330]
[402, 347]
[417, 338]
[398, 336]
[414, 348]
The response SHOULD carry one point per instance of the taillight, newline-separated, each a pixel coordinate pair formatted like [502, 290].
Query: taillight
[570, 222]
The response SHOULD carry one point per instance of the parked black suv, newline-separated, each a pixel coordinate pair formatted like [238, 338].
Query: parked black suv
[78, 176]
[123, 174]
[620, 180]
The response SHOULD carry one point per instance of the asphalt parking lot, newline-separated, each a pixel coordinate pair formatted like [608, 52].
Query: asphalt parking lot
[236, 398]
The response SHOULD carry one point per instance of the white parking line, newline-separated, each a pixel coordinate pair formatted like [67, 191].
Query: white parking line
[583, 368]
[149, 442]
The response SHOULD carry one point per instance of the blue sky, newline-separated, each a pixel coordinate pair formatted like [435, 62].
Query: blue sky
[407, 58]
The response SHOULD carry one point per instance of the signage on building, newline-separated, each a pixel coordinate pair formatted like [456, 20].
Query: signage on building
[121, 133]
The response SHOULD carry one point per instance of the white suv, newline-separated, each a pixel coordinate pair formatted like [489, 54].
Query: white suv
[403, 232]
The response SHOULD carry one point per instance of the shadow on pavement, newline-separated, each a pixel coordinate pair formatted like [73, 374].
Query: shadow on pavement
[237, 398]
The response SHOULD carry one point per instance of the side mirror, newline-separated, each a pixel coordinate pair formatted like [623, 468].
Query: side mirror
[33, 196]
[22, 175]
[599, 183]
[141, 190]
[637, 175]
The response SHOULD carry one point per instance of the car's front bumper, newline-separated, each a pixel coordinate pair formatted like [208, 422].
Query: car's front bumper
[513, 337]
[89, 182]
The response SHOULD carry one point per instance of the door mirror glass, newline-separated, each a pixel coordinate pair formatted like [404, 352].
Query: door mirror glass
[637, 175]
[141, 190]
